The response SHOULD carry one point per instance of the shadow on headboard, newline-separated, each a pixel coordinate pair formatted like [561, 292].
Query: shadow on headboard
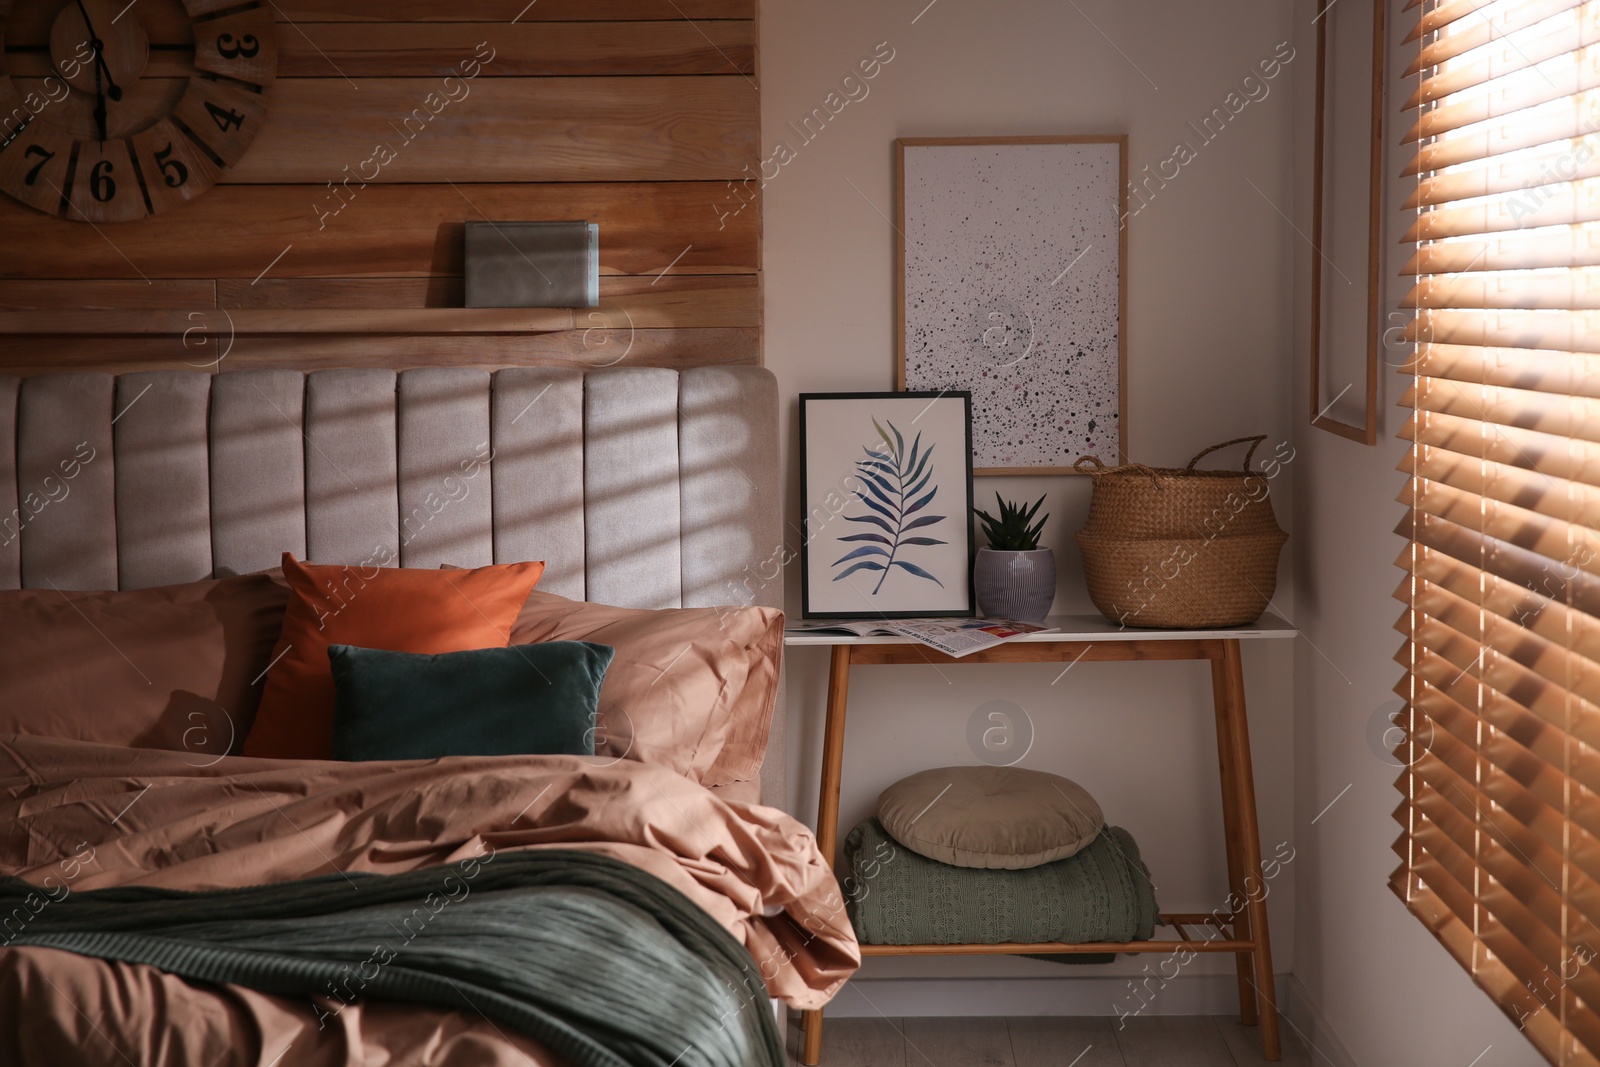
[641, 487]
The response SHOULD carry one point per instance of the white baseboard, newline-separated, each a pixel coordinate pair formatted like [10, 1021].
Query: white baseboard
[1312, 1029]
[1205, 994]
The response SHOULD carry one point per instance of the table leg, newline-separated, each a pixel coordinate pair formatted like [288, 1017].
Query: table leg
[828, 809]
[1256, 902]
[1238, 914]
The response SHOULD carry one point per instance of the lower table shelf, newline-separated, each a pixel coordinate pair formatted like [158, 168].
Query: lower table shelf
[1074, 640]
[1232, 943]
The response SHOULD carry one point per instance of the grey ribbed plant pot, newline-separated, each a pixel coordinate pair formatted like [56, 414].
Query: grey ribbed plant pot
[1015, 585]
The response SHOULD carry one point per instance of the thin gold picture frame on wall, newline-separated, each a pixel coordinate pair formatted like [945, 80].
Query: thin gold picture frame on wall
[1367, 431]
[902, 255]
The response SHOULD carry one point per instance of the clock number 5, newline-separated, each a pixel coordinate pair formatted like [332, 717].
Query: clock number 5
[43, 156]
[101, 185]
[247, 48]
[173, 170]
[225, 120]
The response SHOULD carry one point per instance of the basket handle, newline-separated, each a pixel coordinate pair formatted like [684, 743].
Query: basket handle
[1092, 465]
[1255, 442]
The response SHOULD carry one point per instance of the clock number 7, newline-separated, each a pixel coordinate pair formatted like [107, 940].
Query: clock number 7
[173, 170]
[43, 156]
[225, 120]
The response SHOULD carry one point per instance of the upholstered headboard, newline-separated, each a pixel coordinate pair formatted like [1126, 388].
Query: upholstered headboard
[640, 487]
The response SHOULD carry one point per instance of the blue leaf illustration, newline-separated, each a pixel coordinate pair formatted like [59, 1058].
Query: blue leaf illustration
[886, 512]
[893, 481]
[879, 523]
[866, 550]
[923, 502]
[918, 571]
[864, 565]
[878, 538]
[879, 488]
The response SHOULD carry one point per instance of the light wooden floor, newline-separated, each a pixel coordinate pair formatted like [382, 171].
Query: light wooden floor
[1151, 1041]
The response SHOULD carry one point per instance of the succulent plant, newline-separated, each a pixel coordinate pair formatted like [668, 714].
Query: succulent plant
[1011, 532]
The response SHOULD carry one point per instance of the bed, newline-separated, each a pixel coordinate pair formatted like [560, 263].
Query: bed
[170, 900]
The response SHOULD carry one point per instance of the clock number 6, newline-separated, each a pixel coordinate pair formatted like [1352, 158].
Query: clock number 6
[173, 170]
[247, 48]
[43, 156]
[225, 120]
[101, 185]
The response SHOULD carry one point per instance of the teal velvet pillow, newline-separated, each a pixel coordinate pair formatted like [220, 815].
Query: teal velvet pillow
[535, 699]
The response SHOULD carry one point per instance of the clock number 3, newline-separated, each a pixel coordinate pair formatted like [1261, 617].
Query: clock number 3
[225, 120]
[247, 48]
[173, 170]
[43, 156]
[101, 185]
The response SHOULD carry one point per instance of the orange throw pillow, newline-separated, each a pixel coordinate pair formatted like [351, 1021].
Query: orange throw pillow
[390, 608]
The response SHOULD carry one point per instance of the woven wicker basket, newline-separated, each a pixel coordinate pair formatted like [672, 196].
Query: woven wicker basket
[1180, 548]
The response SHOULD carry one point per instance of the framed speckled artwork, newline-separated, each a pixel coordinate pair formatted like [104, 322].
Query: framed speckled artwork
[1012, 276]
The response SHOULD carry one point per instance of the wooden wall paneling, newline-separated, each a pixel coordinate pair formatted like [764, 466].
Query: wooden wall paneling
[127, 323]
[437, 49]
[33, 23]
[497, 130]
[735, 306]
[526, 50]
[237, 231]
[432, 291]
[503, 11]
[22, 293]
[636, 114]
[505, 130]
[27, 354]
[421, 49]
[674, 300]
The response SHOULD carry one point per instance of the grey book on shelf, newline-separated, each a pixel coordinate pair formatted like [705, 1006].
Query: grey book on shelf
[533, 264]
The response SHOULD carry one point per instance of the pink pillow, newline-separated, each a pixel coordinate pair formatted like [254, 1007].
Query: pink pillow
[692, 689]
[175, 667]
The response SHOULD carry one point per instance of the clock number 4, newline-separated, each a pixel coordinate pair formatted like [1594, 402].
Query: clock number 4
[173, 170]
[226, 120]
[247, 48]
[43, 156]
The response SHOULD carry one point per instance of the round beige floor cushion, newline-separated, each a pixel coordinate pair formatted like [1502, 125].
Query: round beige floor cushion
[995, 817]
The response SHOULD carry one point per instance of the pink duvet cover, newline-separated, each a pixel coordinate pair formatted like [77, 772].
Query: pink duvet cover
[78, 816]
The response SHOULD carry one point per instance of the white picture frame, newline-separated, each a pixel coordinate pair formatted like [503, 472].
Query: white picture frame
[886, 488]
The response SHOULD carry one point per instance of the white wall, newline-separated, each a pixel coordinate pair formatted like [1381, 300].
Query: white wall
[1211, 269]
[1378, 979]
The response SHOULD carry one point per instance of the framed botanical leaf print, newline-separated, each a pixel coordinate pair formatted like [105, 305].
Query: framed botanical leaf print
[886, 483]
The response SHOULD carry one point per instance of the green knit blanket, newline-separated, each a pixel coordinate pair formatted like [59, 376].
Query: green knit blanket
[604, 964]
[1102, 893]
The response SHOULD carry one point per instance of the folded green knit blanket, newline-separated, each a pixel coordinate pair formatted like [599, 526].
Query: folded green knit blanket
[898, 897]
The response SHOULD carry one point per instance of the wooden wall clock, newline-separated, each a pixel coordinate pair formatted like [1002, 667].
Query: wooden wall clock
[103, 125]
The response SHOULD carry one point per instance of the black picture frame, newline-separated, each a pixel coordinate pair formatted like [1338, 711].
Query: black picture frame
[938, 584]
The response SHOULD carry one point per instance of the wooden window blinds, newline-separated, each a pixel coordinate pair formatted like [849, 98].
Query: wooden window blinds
[1501, 813]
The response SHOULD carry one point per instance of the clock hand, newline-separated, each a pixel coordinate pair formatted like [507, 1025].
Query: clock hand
[113, 90]
[102, 69]
[99, 106]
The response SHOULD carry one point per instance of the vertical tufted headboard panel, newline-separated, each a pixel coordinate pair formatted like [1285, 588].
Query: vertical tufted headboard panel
[640, 487]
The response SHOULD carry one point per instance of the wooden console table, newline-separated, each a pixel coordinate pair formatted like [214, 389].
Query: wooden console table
[1089, 637]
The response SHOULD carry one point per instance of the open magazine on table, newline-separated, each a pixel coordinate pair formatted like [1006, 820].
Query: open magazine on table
[953, 637]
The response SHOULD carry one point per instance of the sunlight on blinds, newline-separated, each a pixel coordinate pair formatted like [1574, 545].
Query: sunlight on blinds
[1501, 812]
